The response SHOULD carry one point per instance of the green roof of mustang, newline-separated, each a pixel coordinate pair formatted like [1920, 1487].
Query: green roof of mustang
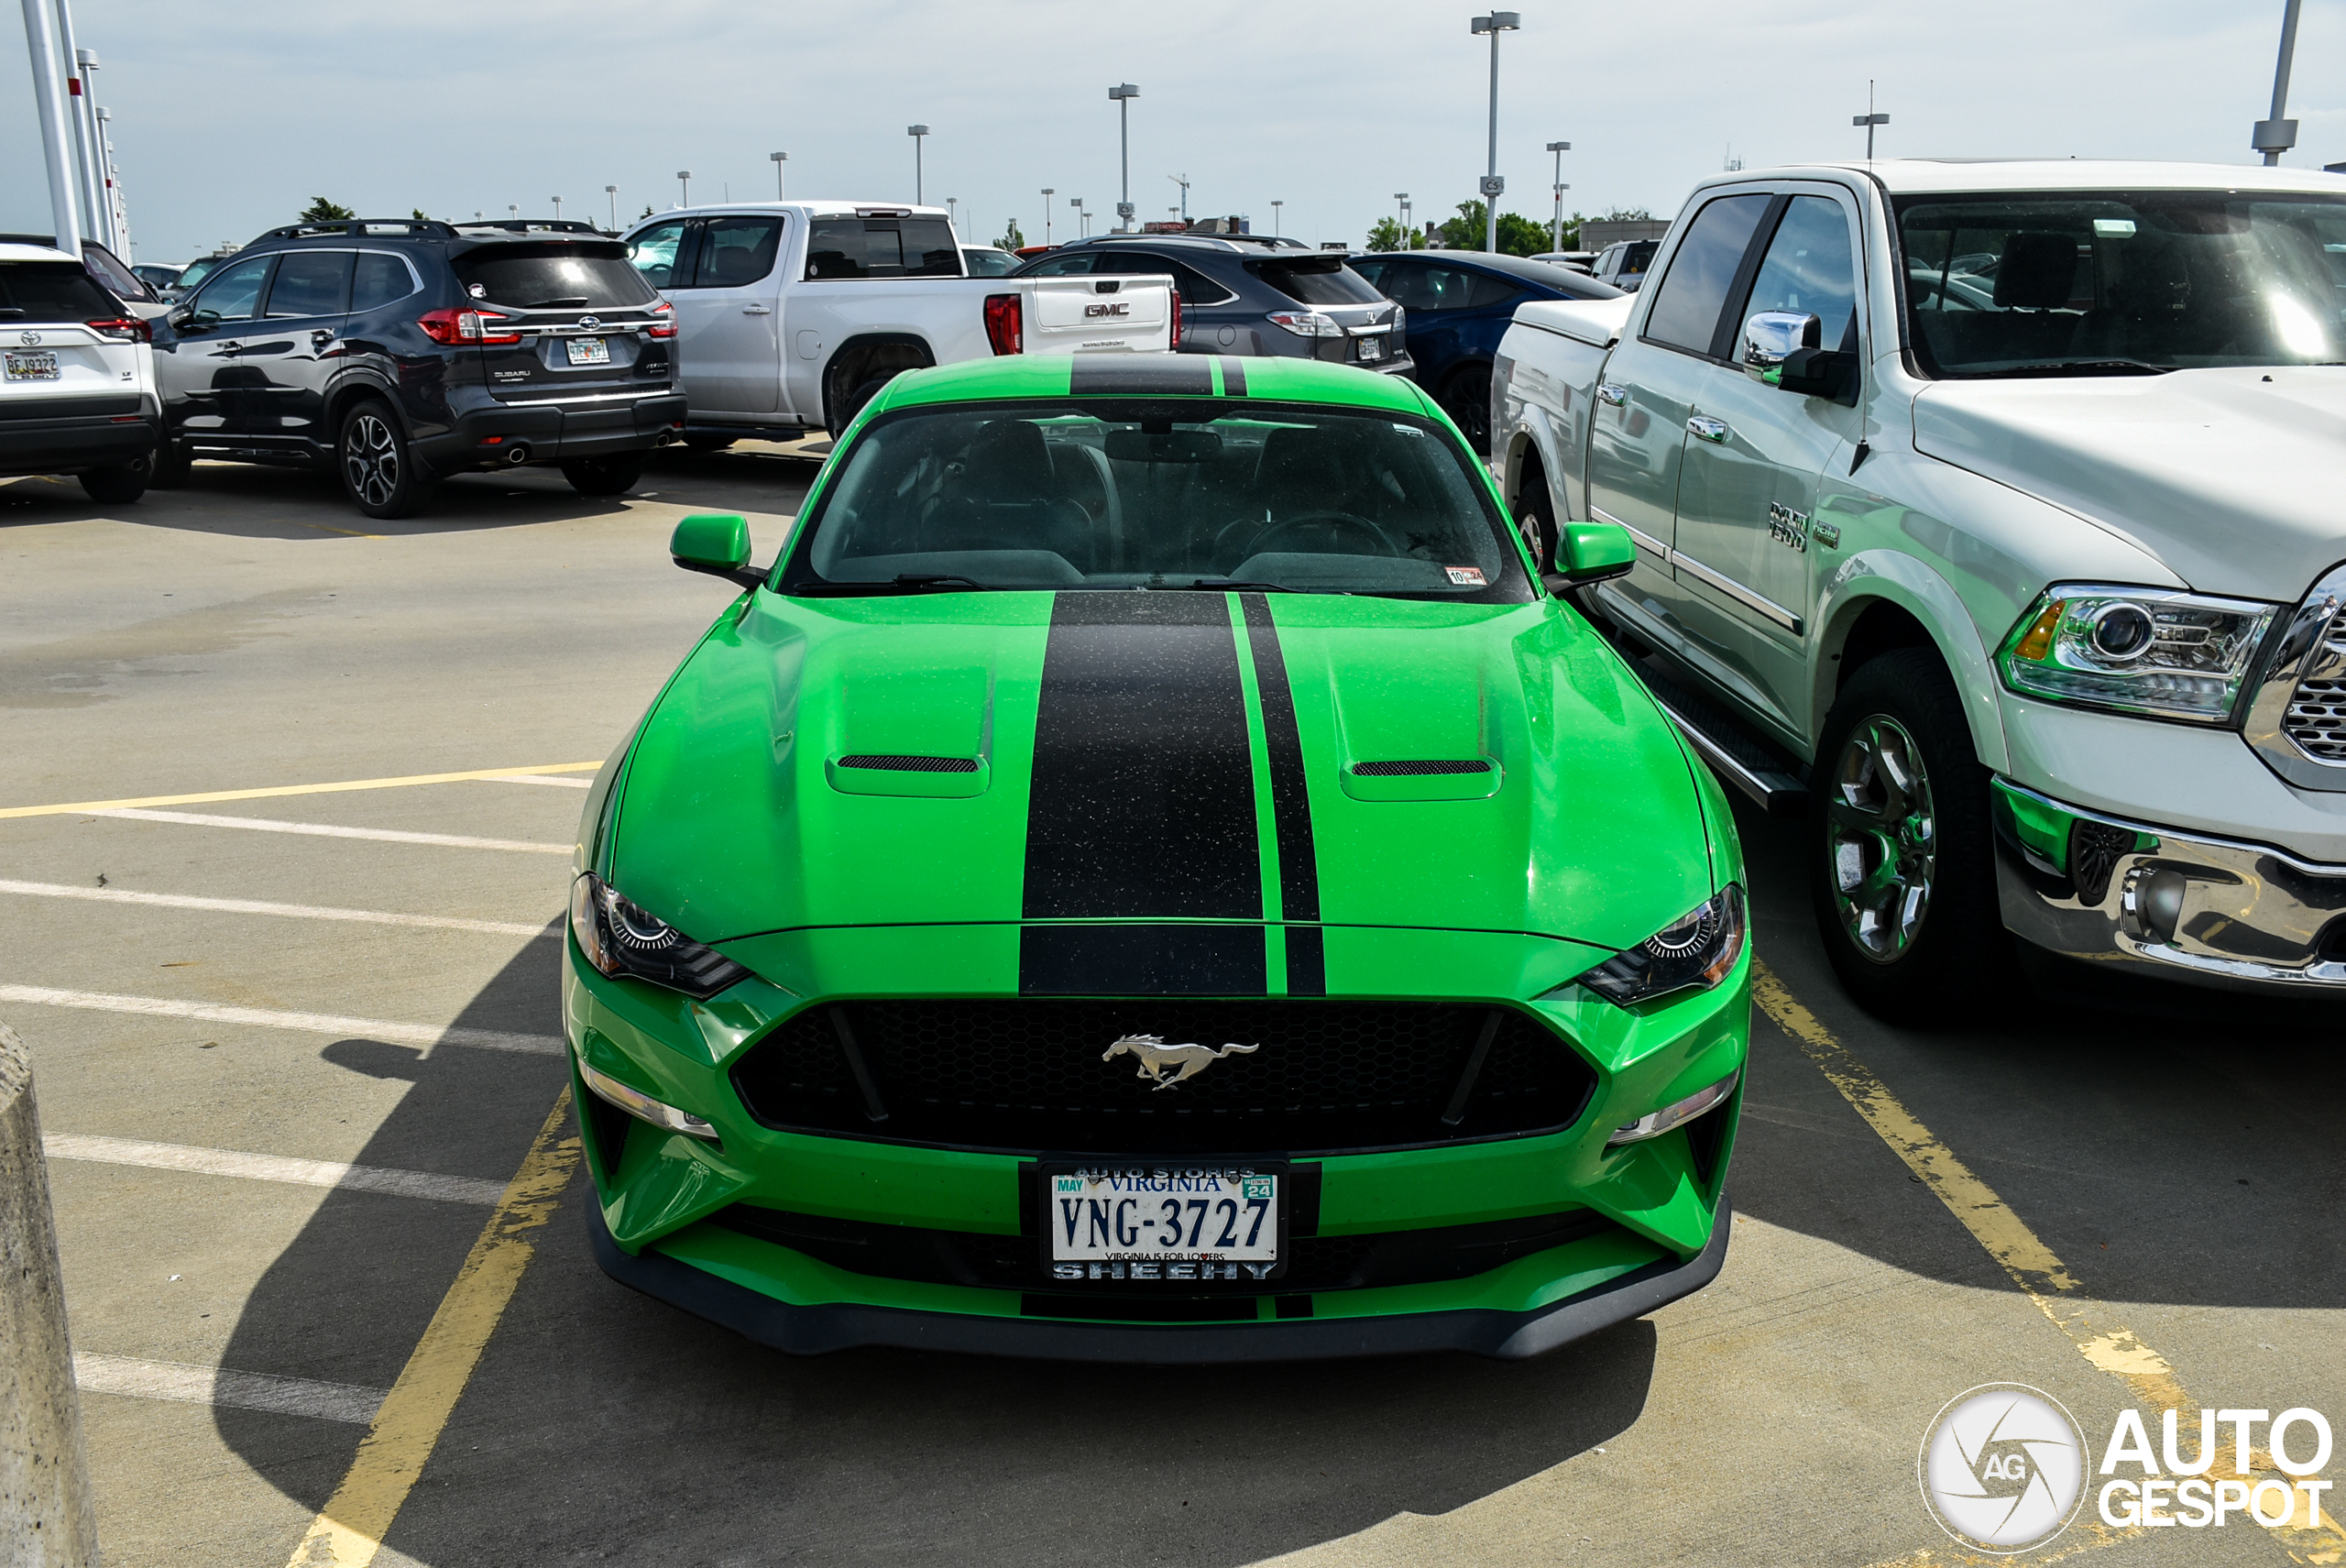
[1111, 692]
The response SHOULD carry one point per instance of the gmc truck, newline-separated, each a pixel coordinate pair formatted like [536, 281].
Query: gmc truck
[791, 314]
[1986, 516]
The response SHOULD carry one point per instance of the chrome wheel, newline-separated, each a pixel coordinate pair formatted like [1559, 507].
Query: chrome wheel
[370, 459]
[1880, 839]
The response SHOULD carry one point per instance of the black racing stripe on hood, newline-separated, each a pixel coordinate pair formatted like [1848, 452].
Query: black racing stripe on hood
[1233, 377]
[1290, 798]
[1140, 960]
[1115, 374]
[1141, 802]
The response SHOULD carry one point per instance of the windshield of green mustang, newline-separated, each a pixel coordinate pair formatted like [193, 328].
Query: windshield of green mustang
[2113, 283]
[1108, 494]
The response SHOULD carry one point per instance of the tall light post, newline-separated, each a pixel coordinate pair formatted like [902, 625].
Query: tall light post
[1082, 218]
[1275, 215]
[953, 213]
[1401, 215]
[1183, 211]
[684, 187]
[55, 134]
[920, 136]
[2276, 136]
[613, 192]
[1870, 119]
[82, 93]
[1495, 24]
[557, 209]
[1556, 225]
[777, 159]
[1047, 193]
[513, 211]
[1123, 94]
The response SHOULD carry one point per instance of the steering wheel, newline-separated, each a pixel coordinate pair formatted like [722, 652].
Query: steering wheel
[1332, 520]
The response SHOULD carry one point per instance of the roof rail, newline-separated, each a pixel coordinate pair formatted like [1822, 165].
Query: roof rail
[361, 226]
[532, 226]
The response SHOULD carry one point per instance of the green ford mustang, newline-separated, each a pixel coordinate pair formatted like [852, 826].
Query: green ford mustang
[1151, 872]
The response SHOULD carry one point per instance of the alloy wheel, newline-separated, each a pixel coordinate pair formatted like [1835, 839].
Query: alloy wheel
[371, 460]
[1880, 839]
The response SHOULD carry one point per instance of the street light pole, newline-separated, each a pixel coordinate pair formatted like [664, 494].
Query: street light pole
[2276, 136]
[684, 187]
[1275, 215]
[1556, 225]
[778, 160]
[613, 192]
[918, 134]
[1870, 119]
[1048, 192]
[1123, 92]
[1495, 24]
[1082, 218]
[557, 209]
[1183, 181]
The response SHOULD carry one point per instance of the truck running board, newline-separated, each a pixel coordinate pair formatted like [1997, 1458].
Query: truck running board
[1759, 769]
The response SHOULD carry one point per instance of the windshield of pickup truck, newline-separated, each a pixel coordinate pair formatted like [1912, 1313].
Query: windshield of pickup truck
[2112, 283]
[1195, 495]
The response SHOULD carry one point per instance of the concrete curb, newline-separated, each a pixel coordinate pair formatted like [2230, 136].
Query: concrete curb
[46, 1520]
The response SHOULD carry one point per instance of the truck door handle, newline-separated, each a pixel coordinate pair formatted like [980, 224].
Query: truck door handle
[1702, 427]
[1612, 392]
[757, 311]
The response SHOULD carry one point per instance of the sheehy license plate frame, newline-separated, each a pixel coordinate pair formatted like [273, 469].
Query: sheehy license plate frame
[1112, 1220]
[589, 350]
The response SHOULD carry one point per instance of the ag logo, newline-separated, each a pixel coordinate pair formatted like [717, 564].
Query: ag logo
[2002, 1468]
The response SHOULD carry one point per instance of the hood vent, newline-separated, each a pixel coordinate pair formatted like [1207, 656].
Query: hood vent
[912, 764]
[1423, 778]
[1424, 767]
[907, 774]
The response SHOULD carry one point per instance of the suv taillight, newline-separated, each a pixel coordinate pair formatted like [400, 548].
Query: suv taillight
[665, 326]
[1005, 323]
[466, 326]
[123, 329]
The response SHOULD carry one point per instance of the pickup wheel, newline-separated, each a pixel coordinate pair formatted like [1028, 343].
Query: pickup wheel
[171, 465]
[1903, 869]
[1535, 519]
[1466, 397]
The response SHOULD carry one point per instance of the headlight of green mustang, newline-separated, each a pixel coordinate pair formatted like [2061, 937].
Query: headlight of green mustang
[1697, 950]
[622, 940]
[2147, 650]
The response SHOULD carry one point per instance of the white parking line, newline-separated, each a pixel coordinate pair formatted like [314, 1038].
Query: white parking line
[255, 906]
[177, 1381]
[321, 830]
[538, 779]
[271, 1167]
[272, 1018]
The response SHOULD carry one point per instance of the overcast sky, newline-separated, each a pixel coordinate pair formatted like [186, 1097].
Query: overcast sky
[229, 118]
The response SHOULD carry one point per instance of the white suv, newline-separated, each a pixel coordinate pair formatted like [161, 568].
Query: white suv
[77, 377]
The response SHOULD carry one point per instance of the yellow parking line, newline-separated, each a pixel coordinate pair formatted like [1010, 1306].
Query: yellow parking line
[147, 800]
[391, 1457]
[329, 528]
[2092, 1326]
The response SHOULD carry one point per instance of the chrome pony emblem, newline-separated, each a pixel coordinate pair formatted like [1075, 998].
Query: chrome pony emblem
[1156, 1056]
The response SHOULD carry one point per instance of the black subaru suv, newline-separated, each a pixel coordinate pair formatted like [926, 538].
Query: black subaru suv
[402, 351]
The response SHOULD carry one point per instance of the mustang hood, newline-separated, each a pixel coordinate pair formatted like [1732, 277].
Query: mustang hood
[2228, 476]
[975, 758]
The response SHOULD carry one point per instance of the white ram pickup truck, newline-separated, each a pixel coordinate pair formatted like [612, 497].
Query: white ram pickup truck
[791, 314]
[1988, 514]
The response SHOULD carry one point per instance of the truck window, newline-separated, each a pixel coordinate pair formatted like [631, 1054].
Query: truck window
[734, 251]
[661, 254]
[1809, 271]
[881, 248]
[1694, 291]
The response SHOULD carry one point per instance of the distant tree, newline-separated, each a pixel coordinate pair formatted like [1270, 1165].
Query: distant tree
[1387, 235]
[646, 213]
[418, 214]
[321, 210]
[1012, 237]
[1519, 235]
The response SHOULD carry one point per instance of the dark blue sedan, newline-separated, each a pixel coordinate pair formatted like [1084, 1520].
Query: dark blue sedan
[1459, 304]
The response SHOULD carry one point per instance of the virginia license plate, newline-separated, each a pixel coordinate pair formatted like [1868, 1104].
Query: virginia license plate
[31, 366]
[1164, 1223]
[590, 351]
[1372, 349]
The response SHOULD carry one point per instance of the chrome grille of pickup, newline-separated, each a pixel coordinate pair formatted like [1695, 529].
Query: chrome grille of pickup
[2317, 713]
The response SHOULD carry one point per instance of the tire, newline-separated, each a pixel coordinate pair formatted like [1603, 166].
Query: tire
[1535, 519]
[118, 482]
[1466, 399]
[604, 475]
[700, 443]
[170, 467]
[1902, 874]
[872, 387]
[379, 472]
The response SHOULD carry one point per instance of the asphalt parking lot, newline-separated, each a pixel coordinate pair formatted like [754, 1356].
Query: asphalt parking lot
[293, 1044]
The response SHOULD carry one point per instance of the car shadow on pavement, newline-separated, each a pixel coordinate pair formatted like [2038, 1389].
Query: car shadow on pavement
[252, 501]
[601, 1423]
[2169, 1143]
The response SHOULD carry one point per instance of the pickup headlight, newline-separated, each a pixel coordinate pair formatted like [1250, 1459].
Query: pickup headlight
[1698, 949]
[620, 939]
[2146, 651]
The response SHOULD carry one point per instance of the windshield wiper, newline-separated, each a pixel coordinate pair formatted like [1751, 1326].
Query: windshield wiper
[2086, 367]
[935, 580]
[1238, 585]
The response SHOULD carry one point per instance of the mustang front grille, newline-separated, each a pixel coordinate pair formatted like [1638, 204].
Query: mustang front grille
[1111, 1076]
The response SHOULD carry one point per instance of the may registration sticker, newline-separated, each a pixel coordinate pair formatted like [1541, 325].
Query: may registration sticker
[1161, 1222]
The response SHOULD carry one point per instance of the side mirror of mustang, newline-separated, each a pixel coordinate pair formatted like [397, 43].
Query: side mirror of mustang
[1590, 552]
[717, 544]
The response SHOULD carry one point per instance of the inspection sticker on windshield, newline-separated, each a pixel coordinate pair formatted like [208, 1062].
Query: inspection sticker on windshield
[1466, 577]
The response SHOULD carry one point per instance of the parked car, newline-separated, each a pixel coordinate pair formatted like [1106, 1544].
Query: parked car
[1248, 295]
[163, 278]
[399, 351]
[77, 379]
[1578, 260]
[2028, 592]
[987, 262]
[1460, 303]
[196, 271]
[1623, 263]
[791, 314]
[929, 982]
[114, 274]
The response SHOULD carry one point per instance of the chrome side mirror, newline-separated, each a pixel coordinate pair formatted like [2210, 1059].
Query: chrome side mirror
[1771, 336]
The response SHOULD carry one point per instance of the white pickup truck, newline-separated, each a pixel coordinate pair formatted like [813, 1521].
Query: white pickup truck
[791, 314]
[1988, 513]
